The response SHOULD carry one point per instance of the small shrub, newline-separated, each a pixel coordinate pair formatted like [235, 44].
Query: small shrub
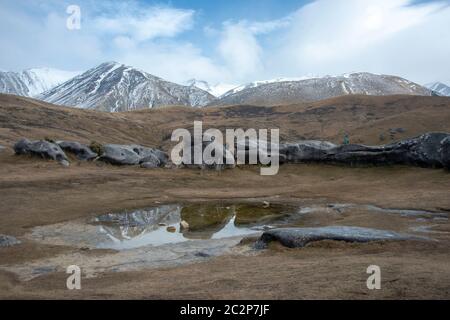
[49, 140]
[97, 147]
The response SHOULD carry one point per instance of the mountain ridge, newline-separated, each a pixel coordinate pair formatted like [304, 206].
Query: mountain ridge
[439, 87]
[314, 89]
[112, 86]
[32, 82]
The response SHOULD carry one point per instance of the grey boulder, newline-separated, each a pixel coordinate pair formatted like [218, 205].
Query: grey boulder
[427, 150]
[8, 241]
[299, 237]
[151, 162]
[445, 152]
[424, 150]
[152, 155]
[41, 148]
[258, 149]
[308, 150]
[81, 151]
[132, 155]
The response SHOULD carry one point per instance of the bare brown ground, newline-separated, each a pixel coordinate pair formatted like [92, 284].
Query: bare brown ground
[37, 192]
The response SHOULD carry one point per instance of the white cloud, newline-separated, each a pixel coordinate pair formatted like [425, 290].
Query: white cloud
[323, 37]
[174, 61]
[142, 24]
[264, 27]
[340, 36]
[382, 36]
[240, 50]
[44, 41]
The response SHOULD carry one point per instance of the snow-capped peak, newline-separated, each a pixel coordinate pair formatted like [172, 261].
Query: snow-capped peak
[307, 89]
[216, 90]
[201, 84]
[44, 79]
[258, 83]
[112, 86]
[439, 87]
[32, 82]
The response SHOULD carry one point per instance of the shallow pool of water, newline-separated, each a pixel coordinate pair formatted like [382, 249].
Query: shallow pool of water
[158, 226]
[152, 237]
[161, 225]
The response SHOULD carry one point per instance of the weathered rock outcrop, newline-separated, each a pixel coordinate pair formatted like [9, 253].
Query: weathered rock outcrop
[427, 150]
[246, 150]
[300, 237]
[8, 241]
[151, 162]
[423, 150]
[445, 152]
[81, 151]
[309, 150]
[41, 148]
[133, 155]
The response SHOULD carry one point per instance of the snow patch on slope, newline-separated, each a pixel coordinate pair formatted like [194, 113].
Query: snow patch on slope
[295, 90]
[258, 83]
[440, 88]
[216, 90]
[115, 87]
[32, 82]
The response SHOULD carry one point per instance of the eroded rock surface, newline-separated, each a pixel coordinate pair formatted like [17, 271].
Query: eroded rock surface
[299, 237]
[41, 148]
[445, 152]
[309, 150]
[427, 150]
[132, 155]
[81, 151]
[8, 241]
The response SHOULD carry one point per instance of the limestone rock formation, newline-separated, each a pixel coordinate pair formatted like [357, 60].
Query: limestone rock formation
[427, 150]
[81, 151]
[133, 155]
[41, 148]
[300, 237]
[8, 241]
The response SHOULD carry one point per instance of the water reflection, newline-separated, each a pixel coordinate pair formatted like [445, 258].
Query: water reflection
[126, 230]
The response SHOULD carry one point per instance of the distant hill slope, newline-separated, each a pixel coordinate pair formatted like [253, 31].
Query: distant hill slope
[116, 87]
[367, 119]
[315, 89]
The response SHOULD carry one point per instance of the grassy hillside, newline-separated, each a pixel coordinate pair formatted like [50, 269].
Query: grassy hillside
[367, 119]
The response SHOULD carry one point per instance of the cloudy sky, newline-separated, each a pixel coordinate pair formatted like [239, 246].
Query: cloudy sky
[232, 41]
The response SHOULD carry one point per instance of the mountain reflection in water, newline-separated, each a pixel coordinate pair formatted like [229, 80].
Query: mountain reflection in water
[132, 229]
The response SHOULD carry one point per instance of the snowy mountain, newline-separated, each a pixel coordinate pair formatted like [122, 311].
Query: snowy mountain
[440, 88]
[32, 82]
[282, 90]
[116, 87]
[216, 90]
[258, 83]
